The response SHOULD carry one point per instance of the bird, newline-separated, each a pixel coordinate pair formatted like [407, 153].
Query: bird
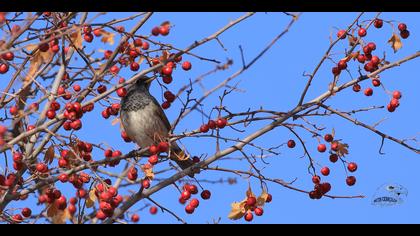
[145, 122]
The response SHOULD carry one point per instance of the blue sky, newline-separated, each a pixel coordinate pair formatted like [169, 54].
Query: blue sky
[275, 82]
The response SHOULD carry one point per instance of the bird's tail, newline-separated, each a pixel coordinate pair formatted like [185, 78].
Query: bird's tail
[181, 157]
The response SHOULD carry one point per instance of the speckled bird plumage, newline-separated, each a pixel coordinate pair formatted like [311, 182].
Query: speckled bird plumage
[145, 122]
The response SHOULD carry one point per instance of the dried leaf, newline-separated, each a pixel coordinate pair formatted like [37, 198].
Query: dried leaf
[49, 155]
[249, 192]
[342, 149]
[107, 37]
[36, 62]
[90, 201]
[116, 121]
[76, 38]
[238, 210]
[352, 40]
[52, 210]
[333, 132]
[262, 198]
[395, 42]
[61, 217]
[148, 172]
[165, 55]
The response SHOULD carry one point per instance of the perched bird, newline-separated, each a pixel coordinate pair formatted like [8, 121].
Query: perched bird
[145, 122]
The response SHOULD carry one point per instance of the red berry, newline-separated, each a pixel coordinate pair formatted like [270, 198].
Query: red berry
[269, 198]
[167, 79]
[390, 108]
[145, 183]
[259, 211]
[145, 45]
[378, 23]
[376, 82]
[166, 104]
[350, 180]
[342, 65]
[361, 58]
[101, 89]
[248, 216]
[356, 88]
[362, 32]
[186, 65]
[221, 123]
[368, 92]
[153, 210]
[325, 187]
[322, 148]
[100, 215]
[251, 201]
[405, 34]
[41, 168]
[166, 70]
[4, 68]
[333, 158]
[396, 94]
[189, 209]
[206, 194]
[375, 60]
[88, 37]
[341, 34]
[17, 157]
[325, 171]
[76, 125]
[169, 96]
[114, 69]
[291, 143]
[334, 146]
[336, 71]
[352, 167]
[185, 195]
[394, 102]
[164, 30]
[137, 42]
[155, 31]
[63, 178]
[194, 202]
[212, 124]
[316, 179]
[50, 114]
[122, 92]
[328, 138]
[8, 56]
[134, 66]
[153, 159]
[402, 26]
[26, 212]
[135, 218]
[204, 128]
[17, 218]
[153, 149]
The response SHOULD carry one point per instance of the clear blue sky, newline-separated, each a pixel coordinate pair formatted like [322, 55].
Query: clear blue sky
[275, 82]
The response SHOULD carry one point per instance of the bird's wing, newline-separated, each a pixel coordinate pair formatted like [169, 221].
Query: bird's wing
[161, 114]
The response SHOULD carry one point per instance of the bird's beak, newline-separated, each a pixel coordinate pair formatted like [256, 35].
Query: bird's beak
[149, 81]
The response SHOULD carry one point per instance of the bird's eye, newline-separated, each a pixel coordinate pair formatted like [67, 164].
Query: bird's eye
[390, 187]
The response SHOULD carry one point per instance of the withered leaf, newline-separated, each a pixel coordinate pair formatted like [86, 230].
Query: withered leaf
[342, 149]
[36, 62]
[61, 217]
[115, 121]
[238, 210]
[90, 201]
[107, 37]
[148, 172]
[262, 198]
[76, 38]
[49, 155]
[395, 42]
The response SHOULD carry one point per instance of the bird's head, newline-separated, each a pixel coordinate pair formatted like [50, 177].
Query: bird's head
[143, 82]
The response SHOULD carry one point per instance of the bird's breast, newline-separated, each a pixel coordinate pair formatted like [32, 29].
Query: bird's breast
[142, 125]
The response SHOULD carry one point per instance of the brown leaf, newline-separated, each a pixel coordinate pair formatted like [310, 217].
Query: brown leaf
[49, 155]
[90, 201]
[36, 61]
[238, 210]
[76, 38]
[116, 121]
[107, 37]
[61, 217]
[352, 40]
[395, 42]
[52, 210]
[342, 149]
[249, 192]
[148, 172]
[333, 132]
[262, 198]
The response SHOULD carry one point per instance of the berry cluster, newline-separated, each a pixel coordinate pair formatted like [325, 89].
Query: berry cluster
[213, 124]
[252, 206]
[109, 199]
